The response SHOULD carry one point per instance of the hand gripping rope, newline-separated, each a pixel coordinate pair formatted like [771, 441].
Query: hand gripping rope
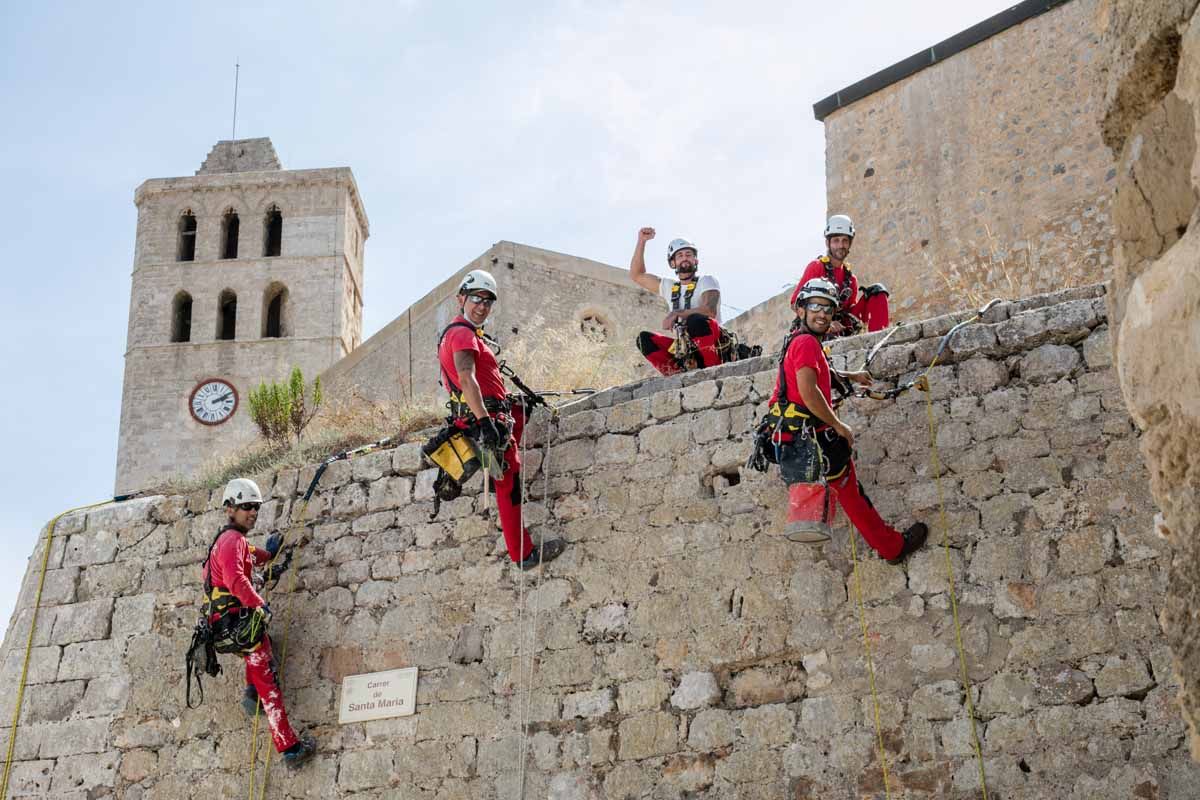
[37, 604]
[299, 519]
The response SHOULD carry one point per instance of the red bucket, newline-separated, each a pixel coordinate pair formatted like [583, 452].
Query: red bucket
[810, 512]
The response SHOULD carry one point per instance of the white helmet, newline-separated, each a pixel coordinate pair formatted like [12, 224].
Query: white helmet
[241, 490]
[839, 225]
[817, 287]
[680, 244]
[478, 280]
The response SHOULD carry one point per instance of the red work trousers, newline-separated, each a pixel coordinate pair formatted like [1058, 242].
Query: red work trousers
[508, 494]
[872, 310]
[260, 673]
[705, 334]
[883, 539]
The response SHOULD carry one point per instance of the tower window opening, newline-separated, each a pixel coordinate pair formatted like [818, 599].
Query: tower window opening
[227, 315]
[186, 250]
[276, 322]
[181, 318]
[273, 232]
[229, 235]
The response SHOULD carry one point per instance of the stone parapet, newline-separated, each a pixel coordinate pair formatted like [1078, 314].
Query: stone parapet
[680, 647]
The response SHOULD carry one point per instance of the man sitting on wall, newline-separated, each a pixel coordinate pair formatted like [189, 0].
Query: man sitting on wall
[855, 313]
[694, 313]
[479, 403]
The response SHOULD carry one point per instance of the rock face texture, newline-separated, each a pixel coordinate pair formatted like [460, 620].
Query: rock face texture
[680, 647]
[1153, 97]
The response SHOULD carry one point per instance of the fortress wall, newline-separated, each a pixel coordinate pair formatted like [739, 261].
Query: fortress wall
[680, 648]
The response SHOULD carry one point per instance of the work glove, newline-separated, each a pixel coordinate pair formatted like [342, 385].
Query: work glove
[280, 566]
[265, 610]
[274, 542]
[489, 434]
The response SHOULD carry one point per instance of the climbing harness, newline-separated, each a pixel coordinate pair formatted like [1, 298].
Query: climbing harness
[681, 294]
[37, 605]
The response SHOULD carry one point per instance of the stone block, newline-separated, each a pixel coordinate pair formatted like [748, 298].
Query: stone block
[365, 769]
[1050, 362]
[86, 774]
[30, 778]
[643, 695]
[577, 455]
[1097, 349]
[666, 404]
[389, 493]
[936, 701]
[824, 718]
[407, 459]
[616, 449]
[711, 425]
[89, 660]
[1123, 676]
[1086, 550]
[82, 622]
[816, 587]
[373, 523]
[647, 735]
[1061, 684]
[104, 581]
[668, 439]
[350, 500]
[98, 547]
[768, 726]
[371, 466]
[75, 737]
[43, 664]
[712, 729]
[51, 702]
[758, 686]
[1072, 596]
[700, 396]
[696, 690]
[588, 424]
[587, 704]
[1006, 693]
[133, 615]
[628, 417]
[104, 696]
[607, 623]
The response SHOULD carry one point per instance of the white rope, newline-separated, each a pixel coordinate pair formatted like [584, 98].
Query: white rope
[521, 452]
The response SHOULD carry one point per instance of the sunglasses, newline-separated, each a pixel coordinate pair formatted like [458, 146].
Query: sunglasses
[823, 308]
[248, 506]
[486, 302]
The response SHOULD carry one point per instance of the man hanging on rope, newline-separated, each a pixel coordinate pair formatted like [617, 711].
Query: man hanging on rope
[694, 313]
[239, 616]
[805, 397]
[855, 313]
[479, 402]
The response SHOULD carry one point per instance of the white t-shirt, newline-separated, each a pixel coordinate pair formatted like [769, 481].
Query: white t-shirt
[704, 283]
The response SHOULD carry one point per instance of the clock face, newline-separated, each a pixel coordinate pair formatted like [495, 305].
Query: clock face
[213, 401]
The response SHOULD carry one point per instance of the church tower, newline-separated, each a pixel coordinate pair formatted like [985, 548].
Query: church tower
[240, 273]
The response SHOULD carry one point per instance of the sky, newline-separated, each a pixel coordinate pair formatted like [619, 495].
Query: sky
[563, 125]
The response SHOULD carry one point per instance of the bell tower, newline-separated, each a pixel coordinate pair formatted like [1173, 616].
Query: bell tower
[240, 272]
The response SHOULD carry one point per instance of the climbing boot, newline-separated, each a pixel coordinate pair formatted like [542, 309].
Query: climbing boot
[250, 701]
[300, 752]
[542, 555]
[914, 537]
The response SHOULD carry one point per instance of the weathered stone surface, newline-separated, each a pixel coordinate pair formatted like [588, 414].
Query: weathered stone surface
[82, 622]
[648, 734]
[1049, 363]
[1123, 676]
[365, 769]
[587, 704]
[696, 690]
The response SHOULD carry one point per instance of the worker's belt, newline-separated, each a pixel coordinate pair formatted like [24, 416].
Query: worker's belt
[790, 418]
[234, 628]
[218, 601]
[493, 405]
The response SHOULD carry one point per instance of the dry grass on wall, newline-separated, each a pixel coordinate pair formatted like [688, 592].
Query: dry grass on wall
[343, 423]
[999, 272]
[560, 360]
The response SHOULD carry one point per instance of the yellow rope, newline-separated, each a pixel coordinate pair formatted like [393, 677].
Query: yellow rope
[862, 616]
[962, 654]
[37, 603]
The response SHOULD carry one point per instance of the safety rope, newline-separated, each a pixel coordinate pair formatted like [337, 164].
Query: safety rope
[862, 617]
[520, 665]
[551, 427]
[936, 463]
[37, 604]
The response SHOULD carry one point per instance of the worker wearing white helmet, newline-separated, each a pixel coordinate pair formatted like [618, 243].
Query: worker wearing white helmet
[693, 312]
[802, 411]
[238, 615]
[479, 402]
[857, 312]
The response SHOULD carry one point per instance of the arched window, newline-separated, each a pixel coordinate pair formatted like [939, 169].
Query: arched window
[186, 249]
[273, 232]
[227, 315]
[181, 318]
[277, 321]
[229, 234]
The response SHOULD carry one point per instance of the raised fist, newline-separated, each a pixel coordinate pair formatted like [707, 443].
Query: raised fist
[645, 235]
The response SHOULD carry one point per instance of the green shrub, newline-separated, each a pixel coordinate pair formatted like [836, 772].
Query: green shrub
[281, 411]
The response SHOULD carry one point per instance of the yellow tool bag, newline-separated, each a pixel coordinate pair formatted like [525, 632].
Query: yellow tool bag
[454, 454]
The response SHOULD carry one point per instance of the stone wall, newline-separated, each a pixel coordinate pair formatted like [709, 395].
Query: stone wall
[1153, 97]
[540, 291]
[680, 647]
